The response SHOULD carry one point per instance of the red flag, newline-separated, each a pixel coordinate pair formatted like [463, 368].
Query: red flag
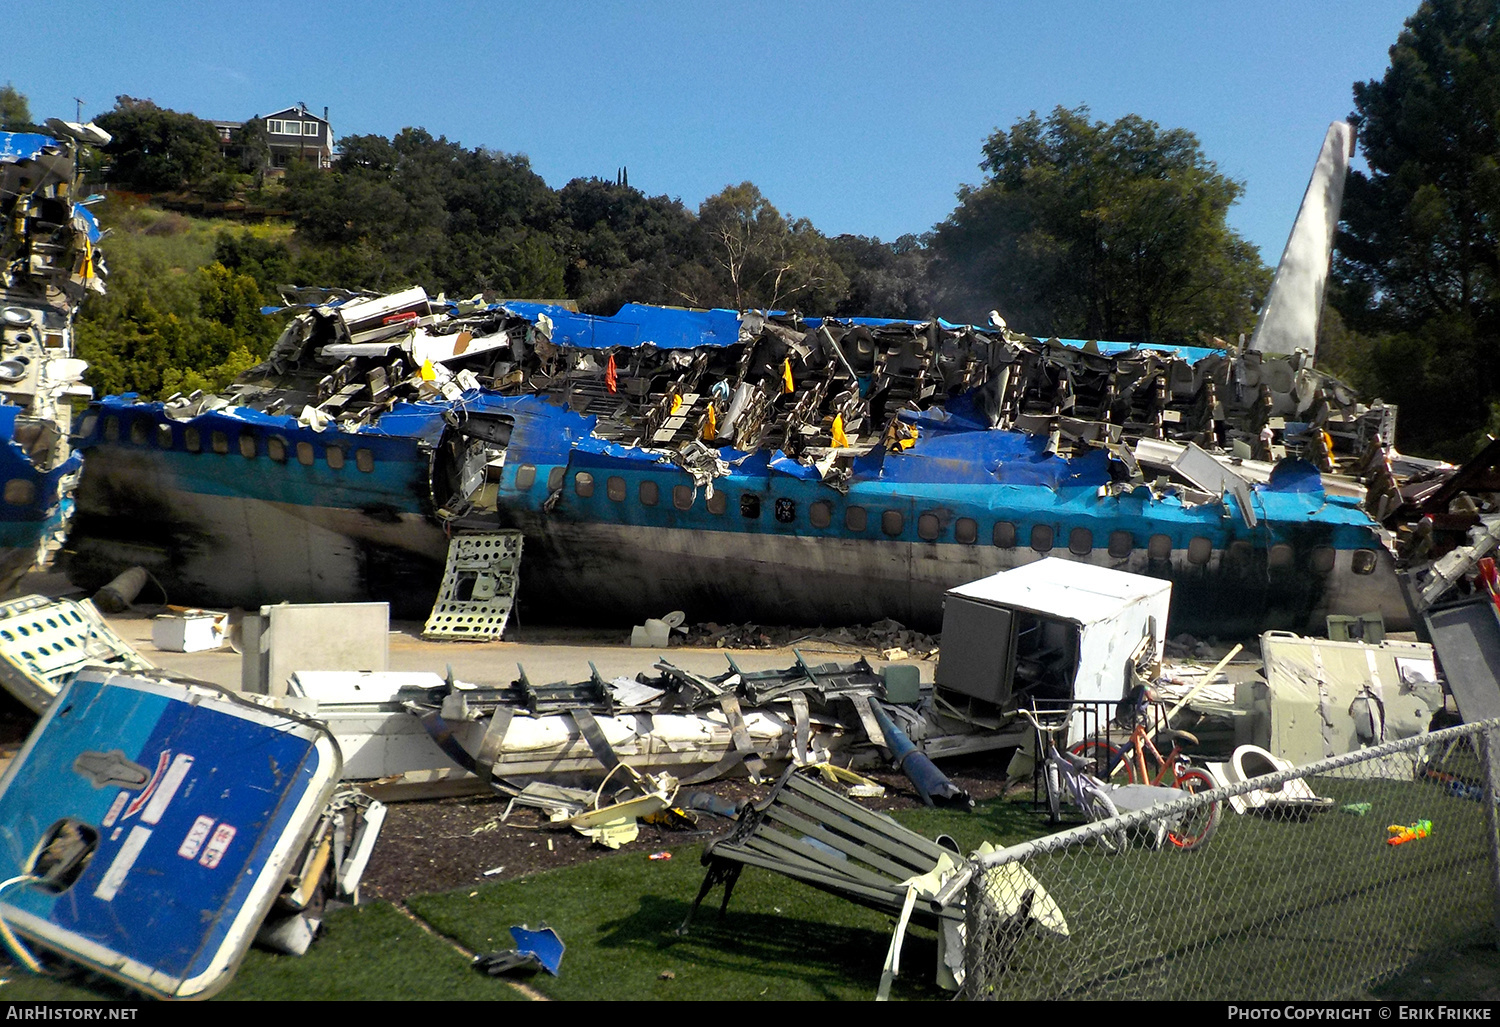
[611, 376]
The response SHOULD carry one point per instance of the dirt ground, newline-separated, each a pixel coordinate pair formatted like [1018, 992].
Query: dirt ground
[435, 845]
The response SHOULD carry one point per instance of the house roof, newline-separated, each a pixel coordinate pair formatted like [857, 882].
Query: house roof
[298, 112]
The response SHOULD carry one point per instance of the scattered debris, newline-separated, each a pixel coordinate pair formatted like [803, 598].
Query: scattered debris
[536, 949]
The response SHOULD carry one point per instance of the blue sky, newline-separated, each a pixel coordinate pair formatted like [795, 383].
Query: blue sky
[863, 117]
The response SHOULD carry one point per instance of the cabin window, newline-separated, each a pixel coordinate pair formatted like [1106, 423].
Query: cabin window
[248, 448]
[1080, 542]
[192, 440]
[682, 496]
[163, 436]
[749, 506]
[334, 457]
[785, 509]
[855, 518]
[614, 488]
[276, 448]
[649, 493]
[20, 492]
[88, 424]
[717, 503]
[220, 442]
[820, 514]
[1322, 560]
[139, 436]
[305, 455]
[583, 484]
[966, 531]
[1239, 553]
[1121, 543]
[111, 429]
[929, 527]
[1199, 550]
[1364, 561]
[1041, 538]
[555, 478]
[1004, 535]
[526, 477]
[891, 522]
[1281, 555]
[1159, 547]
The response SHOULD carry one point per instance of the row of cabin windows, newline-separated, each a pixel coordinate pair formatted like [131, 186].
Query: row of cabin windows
[1042, 539]
[247, 443]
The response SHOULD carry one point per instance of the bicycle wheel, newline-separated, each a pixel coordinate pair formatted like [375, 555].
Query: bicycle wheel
[1098, 806]
[1109, 760]
[1196, 826]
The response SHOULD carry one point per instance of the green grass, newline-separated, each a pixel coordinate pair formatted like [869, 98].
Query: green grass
[782, 940]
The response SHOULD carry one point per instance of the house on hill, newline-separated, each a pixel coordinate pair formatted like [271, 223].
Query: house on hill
[294, 133]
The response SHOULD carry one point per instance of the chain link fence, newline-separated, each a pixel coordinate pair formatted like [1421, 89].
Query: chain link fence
[1297, 894]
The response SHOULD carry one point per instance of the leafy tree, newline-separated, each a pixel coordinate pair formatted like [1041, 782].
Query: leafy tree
[254, 145]
[885, 279]
[1113, 231]
[158, 149]
[15, 112]
[621, 245]
[1418, 259]
[757, 258]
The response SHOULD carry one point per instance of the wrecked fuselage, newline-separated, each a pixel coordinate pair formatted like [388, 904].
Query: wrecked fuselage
[48, 263]
[739, 466]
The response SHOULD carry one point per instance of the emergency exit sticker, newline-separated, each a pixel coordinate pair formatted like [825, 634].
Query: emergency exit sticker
[217, 846]
[194, 840]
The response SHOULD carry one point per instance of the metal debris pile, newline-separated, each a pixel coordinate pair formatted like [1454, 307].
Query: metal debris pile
[888, 639]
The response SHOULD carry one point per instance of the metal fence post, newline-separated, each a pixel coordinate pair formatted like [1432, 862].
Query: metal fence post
[1489, 748]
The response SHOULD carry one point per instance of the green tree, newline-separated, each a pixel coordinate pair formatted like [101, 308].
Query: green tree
[158, 149]
[15, 112]
[757, 258]
[1107, 231]
[1418, 258]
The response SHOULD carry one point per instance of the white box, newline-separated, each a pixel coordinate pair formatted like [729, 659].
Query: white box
[191, 632]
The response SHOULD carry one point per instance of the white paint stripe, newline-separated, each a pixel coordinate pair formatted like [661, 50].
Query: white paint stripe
[167, 789]
[114, 877]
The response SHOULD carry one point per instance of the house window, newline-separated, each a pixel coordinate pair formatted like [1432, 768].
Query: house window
[309, 128]
[276, 128]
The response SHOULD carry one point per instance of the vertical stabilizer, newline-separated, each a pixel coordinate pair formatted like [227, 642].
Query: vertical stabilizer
[1289, 319]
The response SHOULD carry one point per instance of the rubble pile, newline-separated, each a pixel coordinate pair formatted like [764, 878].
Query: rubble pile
[888, 639]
